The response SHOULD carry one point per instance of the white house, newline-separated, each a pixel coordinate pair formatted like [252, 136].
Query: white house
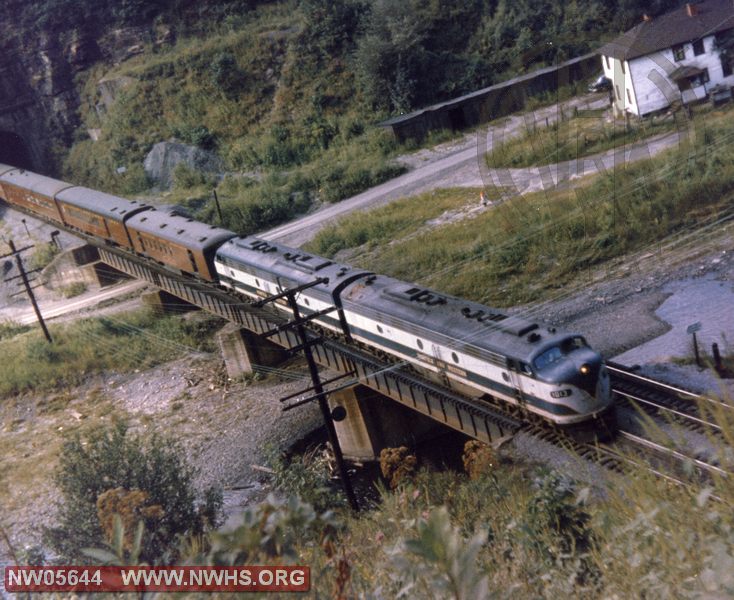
[671, 58]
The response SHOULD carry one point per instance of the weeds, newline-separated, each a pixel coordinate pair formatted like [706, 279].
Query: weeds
[120, 343]
[73, 289]
[144, 482]
[307, 477]
[570, 140]
[525, 248]
[42, 256]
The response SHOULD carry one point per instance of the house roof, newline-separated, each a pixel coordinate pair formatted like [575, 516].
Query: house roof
[672, 28]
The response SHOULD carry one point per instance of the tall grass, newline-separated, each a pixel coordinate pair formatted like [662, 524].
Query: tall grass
[379, 227]
[121, 343]
[571, 139]
[527, 246]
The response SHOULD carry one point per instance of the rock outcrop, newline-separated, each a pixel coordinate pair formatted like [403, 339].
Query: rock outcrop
[163, 159]
[41, 75]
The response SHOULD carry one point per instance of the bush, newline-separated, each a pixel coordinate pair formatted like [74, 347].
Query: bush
[306, 476]
[152, 470]
[197, 135]
[273, 530]
[226, 75]
[43, 255]
[73, 289]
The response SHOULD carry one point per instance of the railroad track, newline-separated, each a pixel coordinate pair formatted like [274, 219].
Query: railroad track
[656, 398]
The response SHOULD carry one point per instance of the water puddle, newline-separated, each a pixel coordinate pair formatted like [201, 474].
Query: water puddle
[703, 300]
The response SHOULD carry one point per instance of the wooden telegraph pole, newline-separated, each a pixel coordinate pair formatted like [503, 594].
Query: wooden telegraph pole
[29, 290]
[321, 394]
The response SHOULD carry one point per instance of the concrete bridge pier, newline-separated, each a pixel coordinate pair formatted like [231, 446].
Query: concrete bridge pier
[80, 265]
[371, 421]
[244, 351]
[374, 422]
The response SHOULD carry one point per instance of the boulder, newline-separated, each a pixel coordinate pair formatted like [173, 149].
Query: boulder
[163, 159]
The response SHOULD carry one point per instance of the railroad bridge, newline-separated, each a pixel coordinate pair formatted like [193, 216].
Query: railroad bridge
[381, 400]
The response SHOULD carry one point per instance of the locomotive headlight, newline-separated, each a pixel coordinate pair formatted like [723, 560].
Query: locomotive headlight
[585, 369]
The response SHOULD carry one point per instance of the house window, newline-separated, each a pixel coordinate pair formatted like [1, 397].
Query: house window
[619, 96]
[698, 47]
[726, 69]
[629, 96]
[606, 60]
[679, 52]
[621, 62]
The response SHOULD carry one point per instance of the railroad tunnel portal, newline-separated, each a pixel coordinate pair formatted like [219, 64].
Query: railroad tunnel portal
[14, 151]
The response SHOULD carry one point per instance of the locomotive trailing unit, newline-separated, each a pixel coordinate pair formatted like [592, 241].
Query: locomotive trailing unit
[477, 350]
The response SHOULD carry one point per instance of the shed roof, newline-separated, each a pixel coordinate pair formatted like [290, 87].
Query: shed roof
[685, 24]
[479, 93]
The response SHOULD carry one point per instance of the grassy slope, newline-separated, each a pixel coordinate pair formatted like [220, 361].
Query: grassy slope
[568, 140]
[288, 119]
[526, 247]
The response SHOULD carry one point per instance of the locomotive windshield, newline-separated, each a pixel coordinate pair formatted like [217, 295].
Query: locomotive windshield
[555, 353]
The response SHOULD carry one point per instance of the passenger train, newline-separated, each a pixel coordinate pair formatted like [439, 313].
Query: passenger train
[477, 350]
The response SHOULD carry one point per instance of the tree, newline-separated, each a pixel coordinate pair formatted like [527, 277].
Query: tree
[111, 468]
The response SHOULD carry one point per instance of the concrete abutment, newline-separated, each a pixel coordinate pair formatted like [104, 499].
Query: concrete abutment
[244, 351]
[371, 421]
[374, 422]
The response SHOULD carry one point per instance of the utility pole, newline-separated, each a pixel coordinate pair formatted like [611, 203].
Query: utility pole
[29, 290]
[219, 208]
[318, 386]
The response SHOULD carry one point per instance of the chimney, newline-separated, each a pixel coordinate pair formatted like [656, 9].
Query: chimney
[647, 18]
[691, 10]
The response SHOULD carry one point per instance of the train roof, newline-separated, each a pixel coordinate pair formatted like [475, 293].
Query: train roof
[40, 184]
[294, 264]
[180, 230]
[464, 323]
[106, 205]
[5, 168]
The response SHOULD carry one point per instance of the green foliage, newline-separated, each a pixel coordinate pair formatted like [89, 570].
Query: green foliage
[571, 140]
[197, 135]
[73, 289]
[447, 563]
[380, 226]
[186, 177]
[308, 477]
[116, 553]
[42, 255]
[272, 530]
[9, 329]
[111, 458]
[556, 508]
[120, 343]
[227, 75]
